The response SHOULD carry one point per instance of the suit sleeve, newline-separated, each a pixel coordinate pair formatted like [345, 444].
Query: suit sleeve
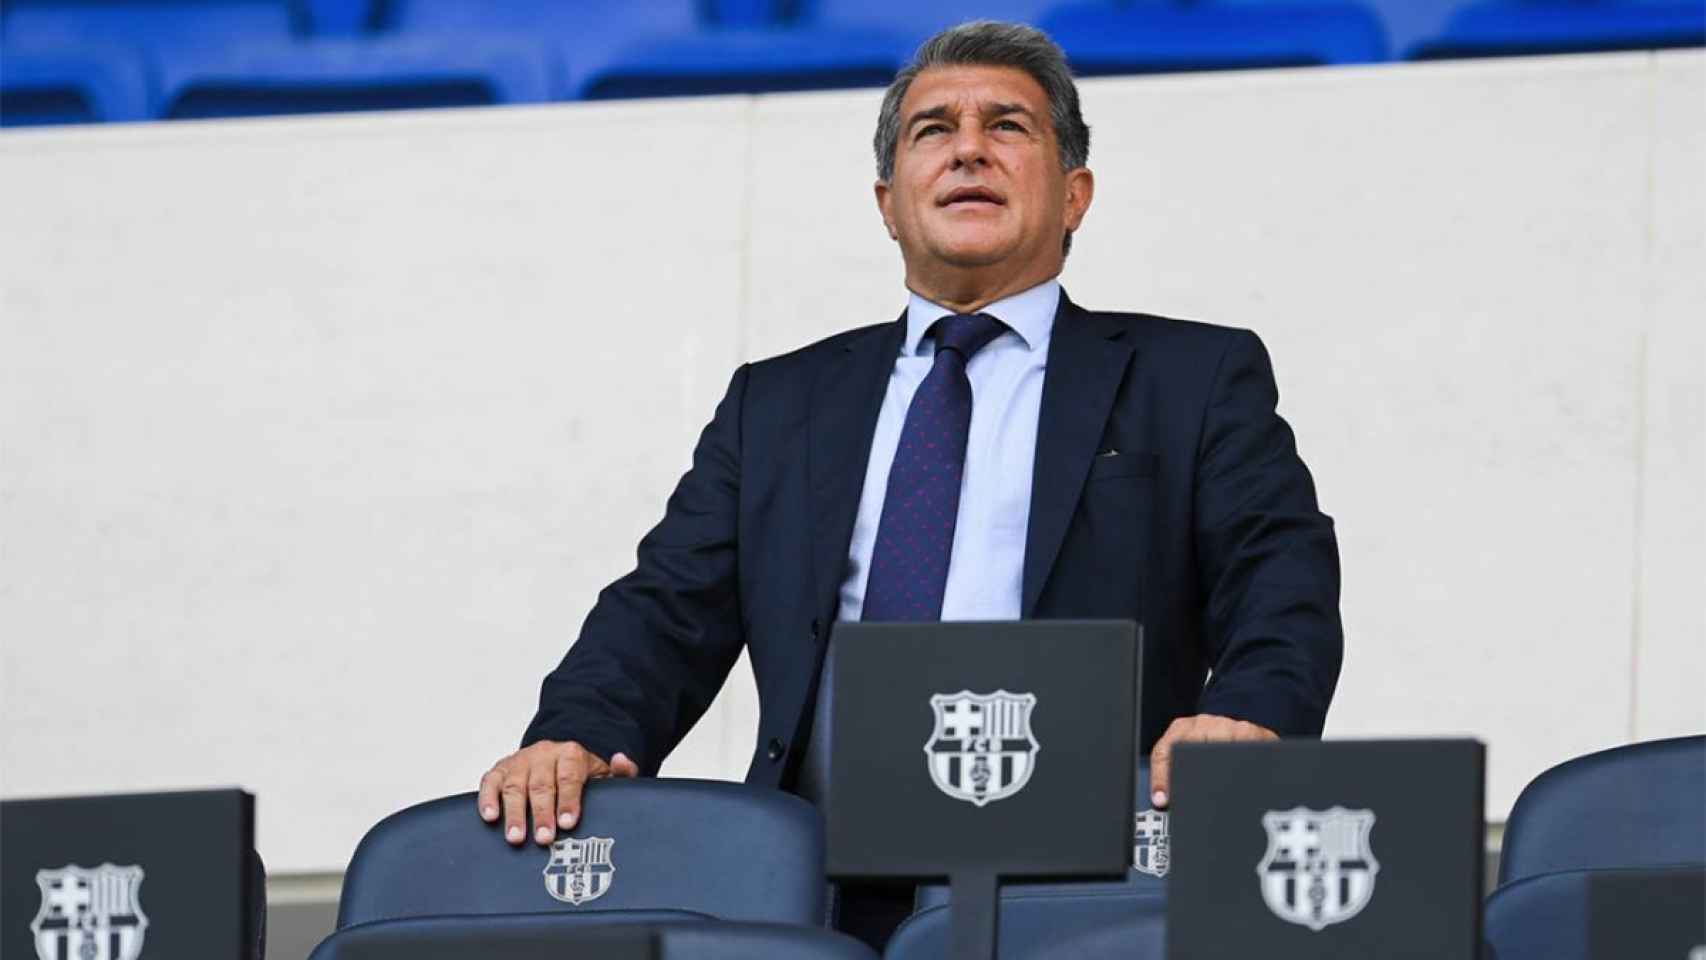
[1267, 558]
[659, 642]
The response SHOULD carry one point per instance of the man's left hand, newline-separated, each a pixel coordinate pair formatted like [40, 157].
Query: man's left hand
[1202, 728]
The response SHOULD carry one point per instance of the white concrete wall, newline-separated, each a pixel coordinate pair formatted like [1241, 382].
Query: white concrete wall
[318, 436]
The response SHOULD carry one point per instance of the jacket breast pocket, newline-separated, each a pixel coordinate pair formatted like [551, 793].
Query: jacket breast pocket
[1124, 463]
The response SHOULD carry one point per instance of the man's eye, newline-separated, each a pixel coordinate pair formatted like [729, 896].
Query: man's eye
[1010, 125]
[932, 128]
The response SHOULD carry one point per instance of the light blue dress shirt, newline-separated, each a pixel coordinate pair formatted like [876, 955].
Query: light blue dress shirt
[986, 567]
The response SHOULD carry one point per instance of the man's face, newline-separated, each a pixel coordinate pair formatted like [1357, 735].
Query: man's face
[977, 176]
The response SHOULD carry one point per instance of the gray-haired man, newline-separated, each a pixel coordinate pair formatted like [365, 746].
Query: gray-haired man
[995, 453]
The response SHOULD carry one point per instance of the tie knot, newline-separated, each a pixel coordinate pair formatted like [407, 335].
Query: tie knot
[967, 333]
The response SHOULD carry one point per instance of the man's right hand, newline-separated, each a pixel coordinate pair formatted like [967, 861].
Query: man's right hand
[547, 778]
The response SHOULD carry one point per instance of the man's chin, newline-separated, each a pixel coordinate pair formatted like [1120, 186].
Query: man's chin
[973, 255]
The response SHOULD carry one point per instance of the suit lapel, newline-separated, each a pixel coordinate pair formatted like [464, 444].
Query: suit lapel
[845, 402]
[1087, 356]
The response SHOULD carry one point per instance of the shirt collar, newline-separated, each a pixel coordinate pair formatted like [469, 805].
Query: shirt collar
[1029, 313]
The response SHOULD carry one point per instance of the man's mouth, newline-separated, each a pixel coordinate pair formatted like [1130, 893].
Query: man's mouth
[968, 197]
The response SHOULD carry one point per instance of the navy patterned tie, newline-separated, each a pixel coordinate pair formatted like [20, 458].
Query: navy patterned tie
[909, 563]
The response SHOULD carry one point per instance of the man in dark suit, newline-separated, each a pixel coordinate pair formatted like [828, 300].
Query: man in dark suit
[996, 452]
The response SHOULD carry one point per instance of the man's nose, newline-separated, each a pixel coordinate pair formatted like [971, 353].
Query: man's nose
[971, 148]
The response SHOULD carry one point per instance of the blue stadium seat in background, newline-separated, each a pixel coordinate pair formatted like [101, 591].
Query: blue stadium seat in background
[1104, 37]
[582, 38]
[160, 26]
[82, 83]
[911, 22]
[344, 74]
[702, 848]
[1639, 805]
[1501, 28]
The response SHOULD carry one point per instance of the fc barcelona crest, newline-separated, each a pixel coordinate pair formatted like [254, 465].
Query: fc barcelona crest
[1152, 847]
[981, 748]
[1319, 869]
[89, 914]
[580, 870]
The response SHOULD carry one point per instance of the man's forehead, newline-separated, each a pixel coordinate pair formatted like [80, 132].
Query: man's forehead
[973, 87]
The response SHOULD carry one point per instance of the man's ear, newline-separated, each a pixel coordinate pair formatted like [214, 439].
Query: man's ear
[1080, 190]
[885, 196]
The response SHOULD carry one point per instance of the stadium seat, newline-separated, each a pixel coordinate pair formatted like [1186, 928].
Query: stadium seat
[344, 74]
[746, 60]
[911, 22]
[582, 38]
[1035, 913]
[1104, 37]
[1632, 806]
[71, 83]
[1516, 27]
[501, 937]
[698, 848]
[156, 26]
[1138, 937]
[1547, 916]
[1032, 924]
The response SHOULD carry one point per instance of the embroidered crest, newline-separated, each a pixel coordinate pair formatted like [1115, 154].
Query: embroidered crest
[1152, 851]
[1319, 869]
[580, 870]
[981, 748]
[89, 914]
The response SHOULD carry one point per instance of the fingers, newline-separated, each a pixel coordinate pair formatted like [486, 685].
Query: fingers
[513, 791]
[622, 766]
[542, 798]
[1161, 763]
[488, 802]
[1203, 728]
[545, 780]
[572, 773]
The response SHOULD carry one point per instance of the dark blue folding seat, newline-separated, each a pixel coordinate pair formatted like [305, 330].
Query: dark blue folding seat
[1637, 807]
[1499, 28]
[1140, 936]
[51, 83]
[701, 848]
[683, 852]
[1632, 806]
[1103, 37]
[534, 935]
[1036, 914]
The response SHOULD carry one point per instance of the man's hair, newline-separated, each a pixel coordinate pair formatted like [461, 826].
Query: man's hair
[989, 43]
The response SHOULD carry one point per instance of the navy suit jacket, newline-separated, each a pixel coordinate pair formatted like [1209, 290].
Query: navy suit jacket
[1167, 490]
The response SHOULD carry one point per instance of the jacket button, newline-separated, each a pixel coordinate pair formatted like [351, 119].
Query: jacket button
[817, 627]
[775, 750]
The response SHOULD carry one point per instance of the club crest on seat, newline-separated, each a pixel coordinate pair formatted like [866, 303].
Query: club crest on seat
[1319, 869]
[1152, 847]
[580, 870]
[981, 748]
[89, 914]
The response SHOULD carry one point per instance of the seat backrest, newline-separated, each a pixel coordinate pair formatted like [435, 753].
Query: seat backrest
[723, 850]
[1034, 924]
[1577, 914]
[1633, 806]
[152, 24]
